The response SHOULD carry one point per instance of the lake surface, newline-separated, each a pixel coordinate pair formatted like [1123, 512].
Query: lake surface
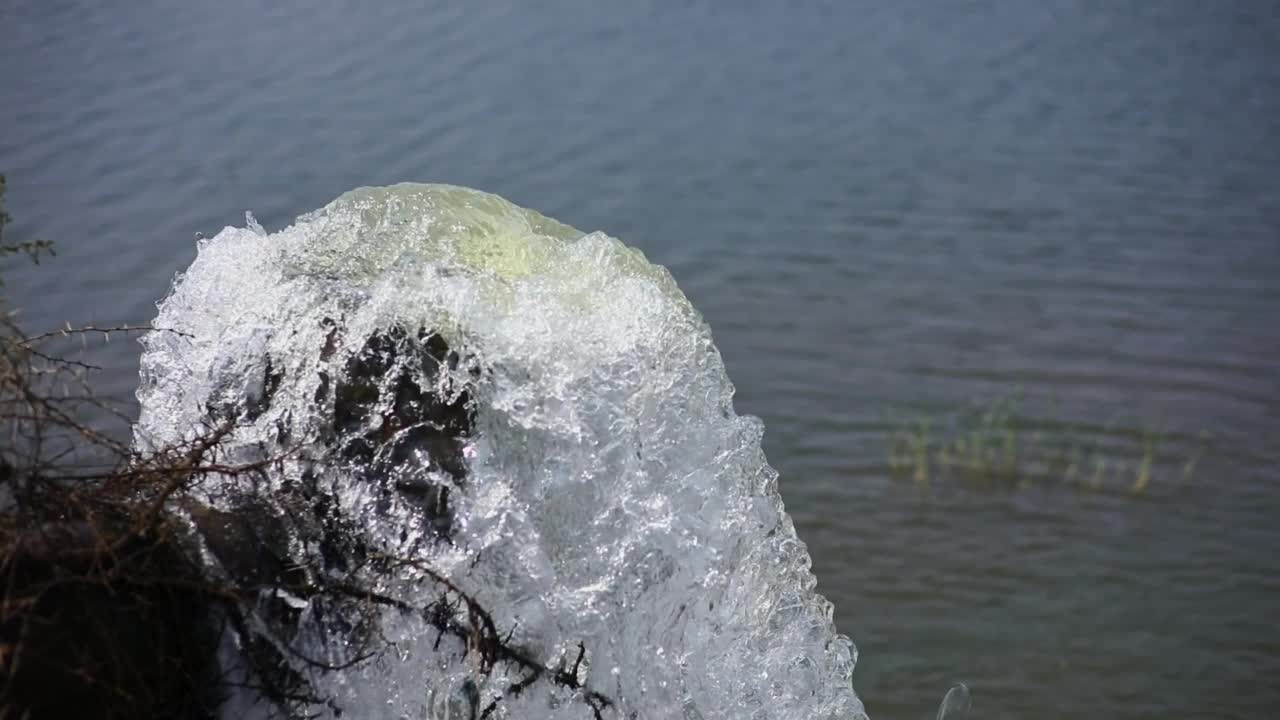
[880, 208]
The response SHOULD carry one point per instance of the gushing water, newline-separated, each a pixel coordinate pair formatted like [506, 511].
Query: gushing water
[534, 413]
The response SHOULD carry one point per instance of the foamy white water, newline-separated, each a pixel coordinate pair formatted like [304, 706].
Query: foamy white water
[571, 459]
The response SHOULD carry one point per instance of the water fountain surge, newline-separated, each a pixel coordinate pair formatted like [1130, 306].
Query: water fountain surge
[500, 475]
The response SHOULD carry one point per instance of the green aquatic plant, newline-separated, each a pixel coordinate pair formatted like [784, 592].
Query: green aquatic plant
[1004, 446]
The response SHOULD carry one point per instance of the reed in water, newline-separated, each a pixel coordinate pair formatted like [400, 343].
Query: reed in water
[1004, 446]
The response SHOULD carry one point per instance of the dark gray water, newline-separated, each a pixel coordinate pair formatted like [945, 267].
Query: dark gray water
[877, 206]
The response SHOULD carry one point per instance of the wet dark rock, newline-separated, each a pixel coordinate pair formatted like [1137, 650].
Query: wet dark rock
[390, 417]
[250, 542]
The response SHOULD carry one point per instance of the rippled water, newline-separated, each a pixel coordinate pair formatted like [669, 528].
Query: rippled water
[876, 205]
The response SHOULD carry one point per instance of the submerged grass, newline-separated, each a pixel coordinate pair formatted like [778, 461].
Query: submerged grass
[1002, 446]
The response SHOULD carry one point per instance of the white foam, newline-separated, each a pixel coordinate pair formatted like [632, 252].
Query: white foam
[613, 497]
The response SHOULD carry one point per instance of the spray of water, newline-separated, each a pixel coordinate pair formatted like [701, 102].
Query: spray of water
[538, 415]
